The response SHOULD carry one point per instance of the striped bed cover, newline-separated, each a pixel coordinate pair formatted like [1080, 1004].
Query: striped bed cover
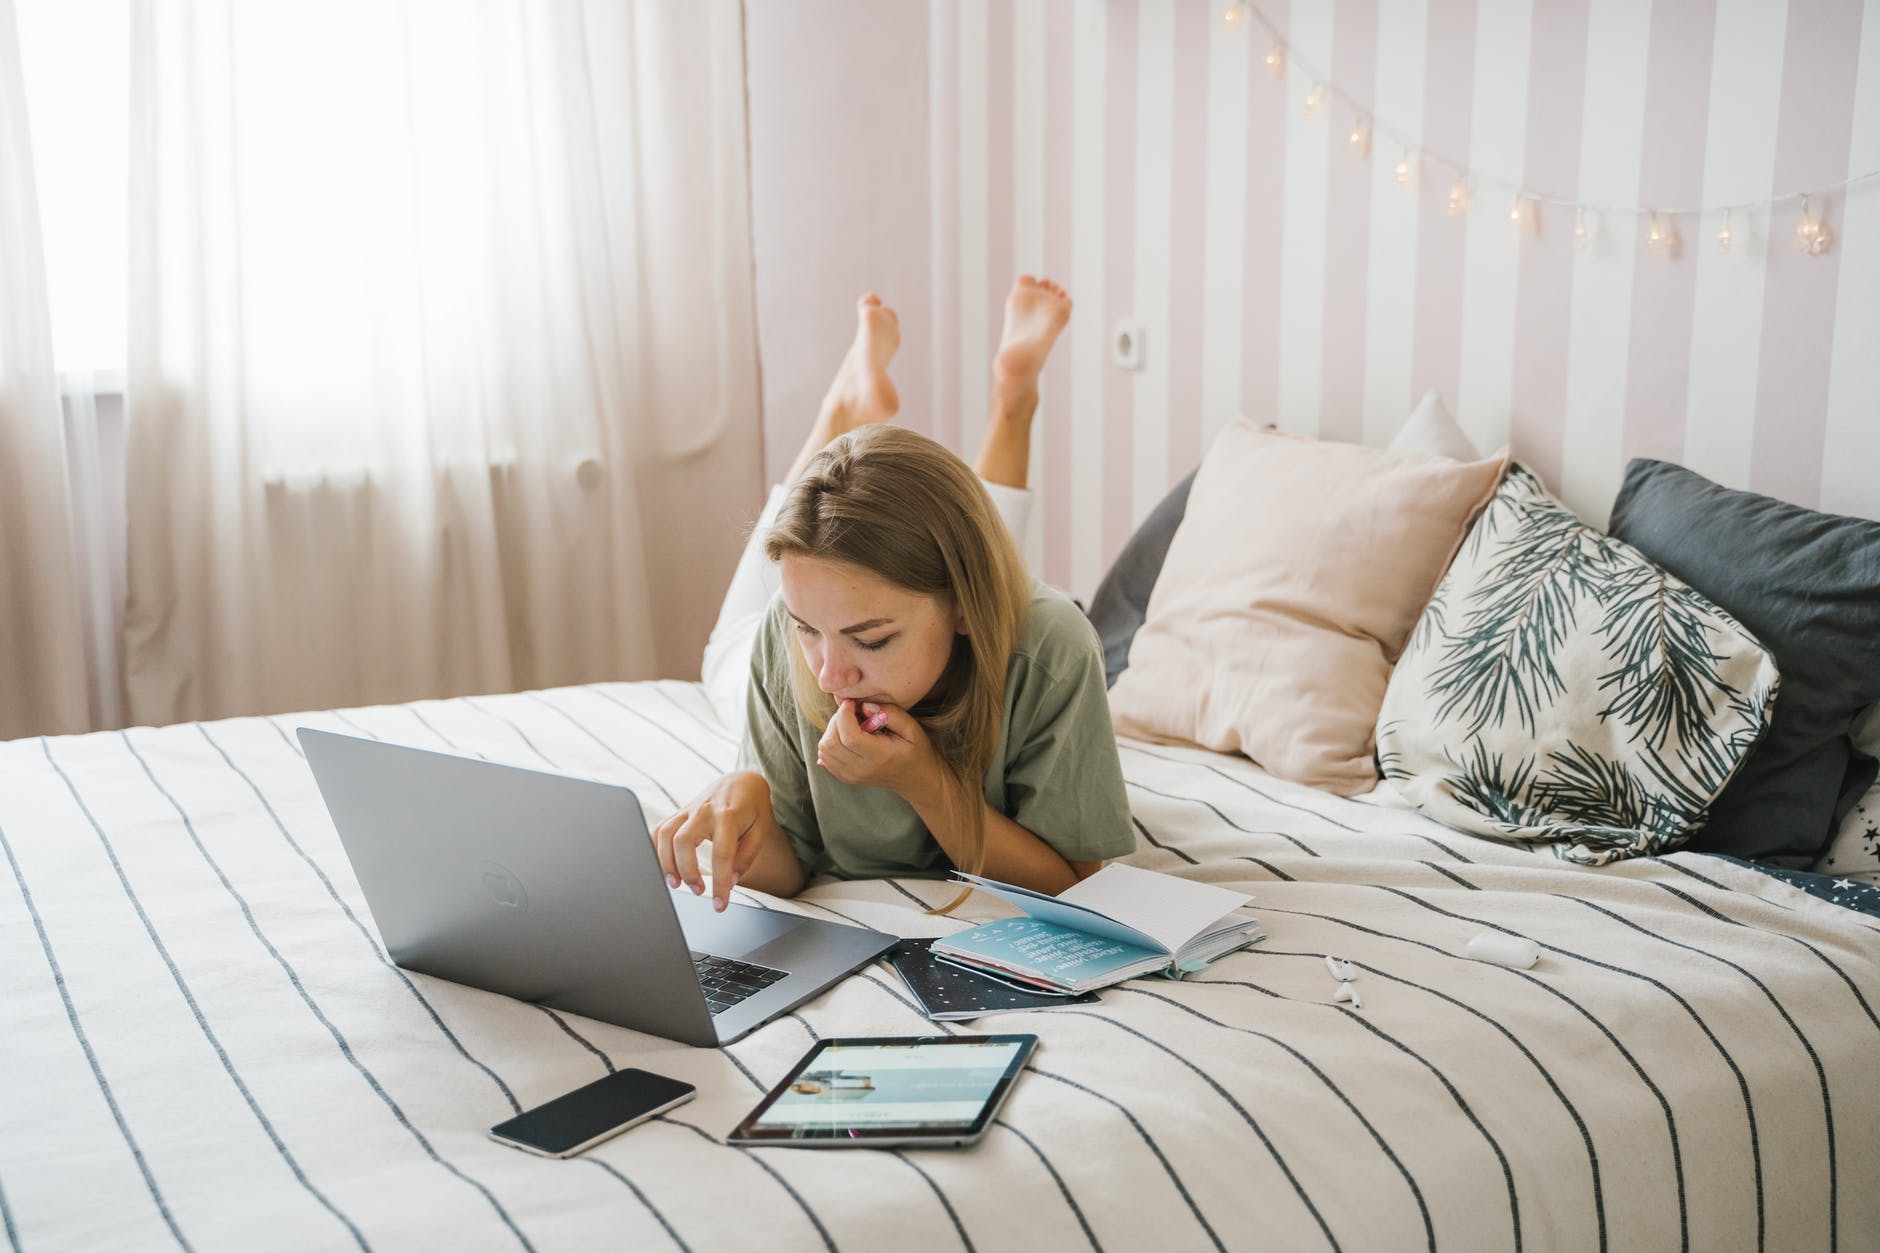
[205, 1046]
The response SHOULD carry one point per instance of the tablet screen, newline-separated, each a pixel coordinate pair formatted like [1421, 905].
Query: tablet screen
[864, 1090]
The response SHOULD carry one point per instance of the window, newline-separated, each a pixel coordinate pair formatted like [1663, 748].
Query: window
[76, 57]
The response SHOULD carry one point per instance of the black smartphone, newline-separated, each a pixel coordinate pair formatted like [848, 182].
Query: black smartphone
[584, 1117]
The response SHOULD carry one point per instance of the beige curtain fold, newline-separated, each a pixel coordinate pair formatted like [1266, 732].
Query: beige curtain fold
[42, 654]
[441, 326]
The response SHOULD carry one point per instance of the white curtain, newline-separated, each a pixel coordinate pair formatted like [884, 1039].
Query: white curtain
[442, 370]
[43, 682]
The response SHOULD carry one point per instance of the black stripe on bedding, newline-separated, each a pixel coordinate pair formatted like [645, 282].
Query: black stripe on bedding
[285, 738]
[1430, 839]
[371, 942]
[6, 1222]
[189, 998]
[950, 1029]
[84, 1042]
[661, 727]
[1742, 1081]
[1821, 1076]
[1240, 783]
[1173, 1174]
[1229, 1097]
[1450, 875]
[609, 748]
[443, 739]
[1063, 1189]
[896, 885]
[1294, 840]
[293, 979]
[1167, 848]
[1827, 961]
[1429, 1226]
[751, 1155]
[1664, 1104]
[1351, 1015]
[710, 728]
[1586, 1138]
[945, 1204]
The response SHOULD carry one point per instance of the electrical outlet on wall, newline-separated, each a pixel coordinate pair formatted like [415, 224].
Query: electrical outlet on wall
[1126, 343]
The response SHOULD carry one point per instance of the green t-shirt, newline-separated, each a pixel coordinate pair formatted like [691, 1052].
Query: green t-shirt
[1056, 772]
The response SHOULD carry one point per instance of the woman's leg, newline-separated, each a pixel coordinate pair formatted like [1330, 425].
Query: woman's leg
[1035, 311]
[861, 393]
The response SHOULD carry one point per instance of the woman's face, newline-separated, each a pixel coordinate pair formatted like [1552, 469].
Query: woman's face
[864, 638]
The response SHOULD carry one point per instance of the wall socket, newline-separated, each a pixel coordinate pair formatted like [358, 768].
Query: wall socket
[1126, 347]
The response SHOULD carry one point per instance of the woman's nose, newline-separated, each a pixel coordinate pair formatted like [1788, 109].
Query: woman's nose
[835, 674]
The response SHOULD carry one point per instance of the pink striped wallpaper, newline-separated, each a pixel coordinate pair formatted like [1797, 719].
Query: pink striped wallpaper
[1142, 152]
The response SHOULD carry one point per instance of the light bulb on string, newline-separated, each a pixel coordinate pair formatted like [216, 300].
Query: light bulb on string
[1233, 14]
[1403, 170]
[1276, 60]
[1725, 237]
[1582, 232]
[1459, 195]
[1360, 138]
[1661, 234]
[1315, 99]
[1813, 236]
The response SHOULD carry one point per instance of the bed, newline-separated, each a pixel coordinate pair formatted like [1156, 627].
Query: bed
[205, 1046]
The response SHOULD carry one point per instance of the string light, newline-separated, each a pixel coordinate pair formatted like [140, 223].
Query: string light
[1522, 213]
[1812, 236]
[1662, 235]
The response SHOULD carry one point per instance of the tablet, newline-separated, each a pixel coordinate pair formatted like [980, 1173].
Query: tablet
[878, 1092]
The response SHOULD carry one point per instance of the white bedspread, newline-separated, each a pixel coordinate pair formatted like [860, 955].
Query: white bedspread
[204, 1044]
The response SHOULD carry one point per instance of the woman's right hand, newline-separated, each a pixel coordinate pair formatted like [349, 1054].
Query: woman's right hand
[734, 814]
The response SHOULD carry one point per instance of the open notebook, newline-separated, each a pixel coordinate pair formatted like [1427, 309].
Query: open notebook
[1119, 923]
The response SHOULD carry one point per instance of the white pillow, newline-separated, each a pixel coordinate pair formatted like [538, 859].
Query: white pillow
[1430, 429]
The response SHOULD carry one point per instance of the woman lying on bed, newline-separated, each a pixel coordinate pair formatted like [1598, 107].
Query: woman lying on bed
[915, 700]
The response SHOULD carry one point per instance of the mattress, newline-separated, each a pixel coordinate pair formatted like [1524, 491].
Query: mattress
[205, 1046]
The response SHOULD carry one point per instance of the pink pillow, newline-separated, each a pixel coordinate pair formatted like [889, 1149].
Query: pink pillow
[1290, 588]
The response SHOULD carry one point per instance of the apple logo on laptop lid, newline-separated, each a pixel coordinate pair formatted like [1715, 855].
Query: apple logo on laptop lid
[504, 888]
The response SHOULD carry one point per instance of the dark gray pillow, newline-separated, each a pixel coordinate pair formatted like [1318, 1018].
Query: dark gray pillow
[1122, 599]
[1805, 583]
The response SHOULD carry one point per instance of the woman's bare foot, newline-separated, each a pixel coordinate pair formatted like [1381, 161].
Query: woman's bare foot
[861, 392]
[1035, 311]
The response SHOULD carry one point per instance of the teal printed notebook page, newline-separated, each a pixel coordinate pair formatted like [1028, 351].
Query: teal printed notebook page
[1055, 956]
[1171, 922]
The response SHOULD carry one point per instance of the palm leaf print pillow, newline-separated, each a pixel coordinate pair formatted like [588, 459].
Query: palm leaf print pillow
[1560, 689]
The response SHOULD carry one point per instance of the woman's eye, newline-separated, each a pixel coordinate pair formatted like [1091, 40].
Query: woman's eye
[878, 644]
[805, 630]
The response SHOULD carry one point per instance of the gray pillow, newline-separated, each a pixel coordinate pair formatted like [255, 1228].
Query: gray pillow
[1122, 599]
[1805, 583]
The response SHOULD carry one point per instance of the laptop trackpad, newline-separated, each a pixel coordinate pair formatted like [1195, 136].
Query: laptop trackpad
[734, 933]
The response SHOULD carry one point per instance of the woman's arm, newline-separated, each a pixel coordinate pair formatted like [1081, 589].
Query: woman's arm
[749, 846]
[1013, 854]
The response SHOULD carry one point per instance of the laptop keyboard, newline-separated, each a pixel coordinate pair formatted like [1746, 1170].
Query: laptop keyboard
[726, 982]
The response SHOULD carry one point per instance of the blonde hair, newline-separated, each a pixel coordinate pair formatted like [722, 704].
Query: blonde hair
[902, 507]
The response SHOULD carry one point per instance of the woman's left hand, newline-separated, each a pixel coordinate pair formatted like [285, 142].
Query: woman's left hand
[897, 756]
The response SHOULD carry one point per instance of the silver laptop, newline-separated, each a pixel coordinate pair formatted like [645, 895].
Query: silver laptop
[548, 889]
